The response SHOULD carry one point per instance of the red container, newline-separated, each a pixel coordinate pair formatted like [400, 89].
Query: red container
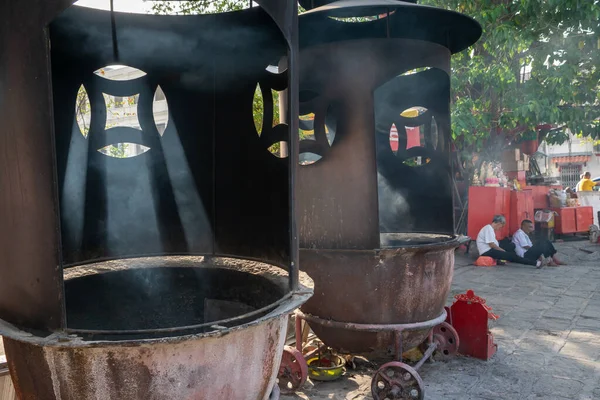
[584, 217]
[484, 203]
[540, 196]
[573, 219]
[565, 221]
[521, 207]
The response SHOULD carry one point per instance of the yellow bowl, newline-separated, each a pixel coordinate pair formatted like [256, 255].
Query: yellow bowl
[326, 373]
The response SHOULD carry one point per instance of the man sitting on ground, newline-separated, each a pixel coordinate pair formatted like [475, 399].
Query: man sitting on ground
[541, 250]
[488, 245]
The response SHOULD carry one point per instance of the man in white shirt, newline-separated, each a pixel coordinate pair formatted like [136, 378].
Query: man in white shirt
[526, 249]
[488, 246]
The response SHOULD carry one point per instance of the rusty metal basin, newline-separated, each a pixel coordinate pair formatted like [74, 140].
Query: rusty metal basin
[161, 328]
[405, 282]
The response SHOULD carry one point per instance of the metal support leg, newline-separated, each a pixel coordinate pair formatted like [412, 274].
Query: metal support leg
[298, 333]
[398, 345]
[430, 349]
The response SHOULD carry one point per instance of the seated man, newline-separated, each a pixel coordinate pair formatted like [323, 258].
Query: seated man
[526, 249]
[488, 245]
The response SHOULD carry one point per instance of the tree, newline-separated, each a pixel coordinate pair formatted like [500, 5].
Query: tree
[536, 63]
[198, 6]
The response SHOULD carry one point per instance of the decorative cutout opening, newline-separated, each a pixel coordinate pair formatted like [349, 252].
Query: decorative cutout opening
[274, 69]
[83, 111]
[160, 110]
[119, 73]
[258, 109]
[276, 110]
[413, 134]
[308, 158]
[121, 111]
[307, 127]
[434, 133]
[278, 150]
[278, 67]
[330, 127]
[367, 18]
[415, 71]
[413, 112]
[315, 143]
[394, 139]
[124, 150]
[416, 161]
[417, 135]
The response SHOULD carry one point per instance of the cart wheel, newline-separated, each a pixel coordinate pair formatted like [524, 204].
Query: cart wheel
[447, 341]
[396, 380]
[293, 370]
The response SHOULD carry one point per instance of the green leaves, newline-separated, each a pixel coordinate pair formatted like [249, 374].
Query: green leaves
[536, 63]
[198, 6]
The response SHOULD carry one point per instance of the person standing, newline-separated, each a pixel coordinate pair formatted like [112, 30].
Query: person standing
[578, 186]
[586, 184]
[526, 249]
[488, 246]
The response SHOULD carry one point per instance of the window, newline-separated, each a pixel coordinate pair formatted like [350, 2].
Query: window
[569, 174]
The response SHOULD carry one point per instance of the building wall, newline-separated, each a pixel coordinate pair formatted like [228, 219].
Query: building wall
[575, 149]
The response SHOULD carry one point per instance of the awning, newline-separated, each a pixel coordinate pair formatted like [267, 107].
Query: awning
[571, 159]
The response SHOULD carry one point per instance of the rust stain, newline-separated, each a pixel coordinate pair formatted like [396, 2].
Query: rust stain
[241, 365]
[387, 286]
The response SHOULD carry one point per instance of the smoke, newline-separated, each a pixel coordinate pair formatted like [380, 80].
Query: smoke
[394, 210]
[193, 45]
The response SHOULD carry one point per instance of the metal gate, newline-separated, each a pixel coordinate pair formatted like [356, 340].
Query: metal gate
[569, 174]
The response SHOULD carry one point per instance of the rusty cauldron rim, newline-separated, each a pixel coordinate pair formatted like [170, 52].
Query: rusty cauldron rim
[290, 301]
[453, 242]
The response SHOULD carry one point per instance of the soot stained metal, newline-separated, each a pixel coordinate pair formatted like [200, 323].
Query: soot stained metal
[375, 211]
[170, 274]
